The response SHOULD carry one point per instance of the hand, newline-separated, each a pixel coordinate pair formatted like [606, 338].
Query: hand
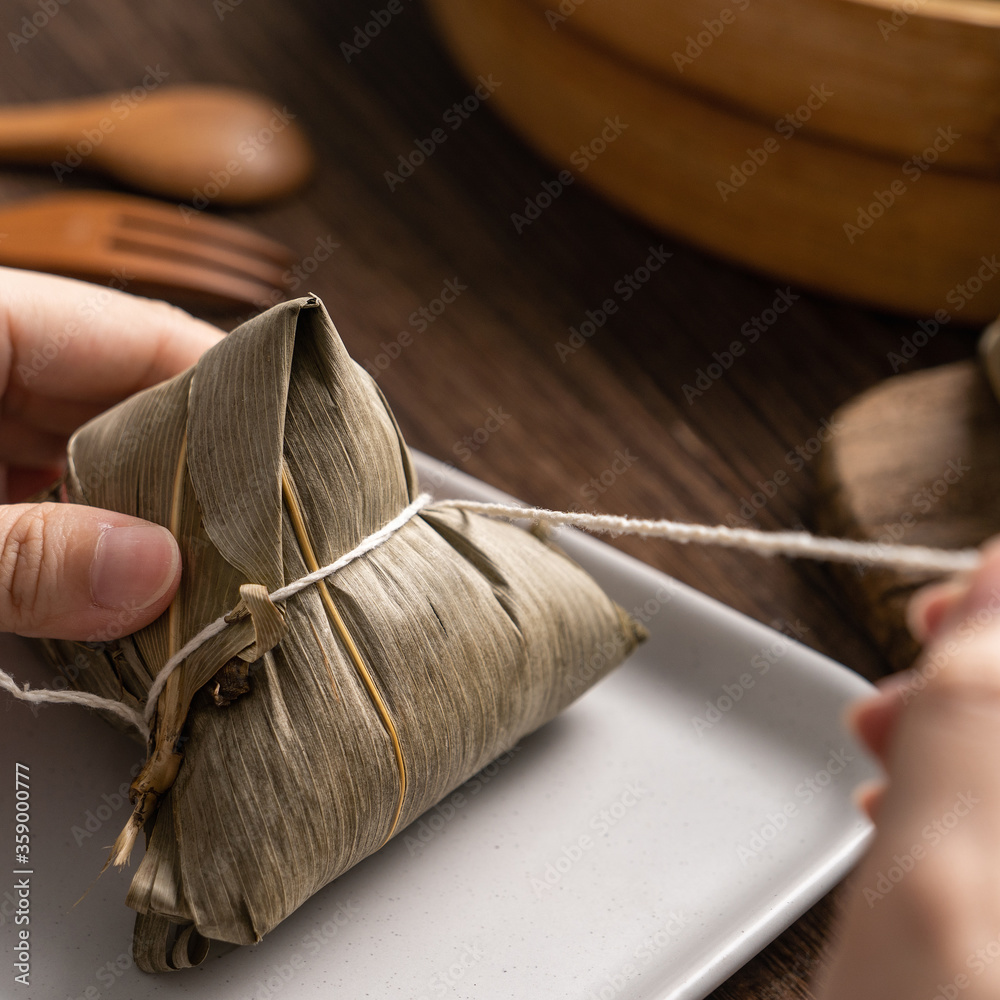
[68, 350]
[922, 913]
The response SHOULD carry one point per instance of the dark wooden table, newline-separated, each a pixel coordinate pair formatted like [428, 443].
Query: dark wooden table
[567, 420]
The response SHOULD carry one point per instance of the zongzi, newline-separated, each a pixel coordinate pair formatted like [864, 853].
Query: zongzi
[300, 738]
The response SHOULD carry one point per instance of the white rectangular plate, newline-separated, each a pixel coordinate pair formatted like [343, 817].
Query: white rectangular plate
[645, 844]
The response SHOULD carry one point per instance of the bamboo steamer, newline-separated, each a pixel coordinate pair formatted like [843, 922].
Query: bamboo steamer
[801, 208]
[899, 69]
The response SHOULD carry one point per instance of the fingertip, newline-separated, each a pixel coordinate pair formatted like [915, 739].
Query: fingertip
[872, 719]
[948, 605]
[933, 607]
[929, 607]
[868, 797]
[135, 573]
[69, 571]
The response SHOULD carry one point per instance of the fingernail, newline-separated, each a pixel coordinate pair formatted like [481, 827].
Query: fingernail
[133, 566]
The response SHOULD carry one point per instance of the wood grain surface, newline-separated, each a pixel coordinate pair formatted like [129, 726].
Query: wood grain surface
[608, 425]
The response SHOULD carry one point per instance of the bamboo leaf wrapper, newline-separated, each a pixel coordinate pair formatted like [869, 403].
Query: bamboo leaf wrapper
[305, 735]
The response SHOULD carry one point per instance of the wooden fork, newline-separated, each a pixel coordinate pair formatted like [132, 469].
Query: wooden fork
[101, 235]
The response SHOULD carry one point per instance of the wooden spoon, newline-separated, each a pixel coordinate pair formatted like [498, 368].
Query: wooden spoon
[200, 144]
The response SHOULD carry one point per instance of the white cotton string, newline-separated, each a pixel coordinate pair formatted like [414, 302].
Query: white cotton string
[283, 593]
[142, 720]
[38, 695]
[796, 544]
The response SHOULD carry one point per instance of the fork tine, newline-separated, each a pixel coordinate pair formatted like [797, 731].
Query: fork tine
[170, 273]
[75, 233]
[194, 252]
[153, 216]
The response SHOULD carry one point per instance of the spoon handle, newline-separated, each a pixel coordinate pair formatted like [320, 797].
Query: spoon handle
[39, 132]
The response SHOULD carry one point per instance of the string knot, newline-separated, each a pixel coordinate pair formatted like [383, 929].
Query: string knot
[269, 623]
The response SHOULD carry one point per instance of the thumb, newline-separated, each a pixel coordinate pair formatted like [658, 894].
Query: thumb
[74, 572]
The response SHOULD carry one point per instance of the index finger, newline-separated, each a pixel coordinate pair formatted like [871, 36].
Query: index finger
[76, 342]
[944, 784]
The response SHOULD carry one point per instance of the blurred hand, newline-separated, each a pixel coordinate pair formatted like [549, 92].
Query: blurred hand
[68, 350]
[922, 913]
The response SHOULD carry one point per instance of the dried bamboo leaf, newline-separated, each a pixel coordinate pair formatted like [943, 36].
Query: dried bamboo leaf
[364, 700]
